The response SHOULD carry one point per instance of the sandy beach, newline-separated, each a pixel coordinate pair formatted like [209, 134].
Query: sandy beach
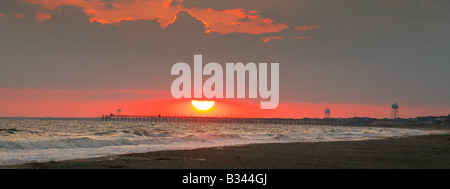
[428, 151]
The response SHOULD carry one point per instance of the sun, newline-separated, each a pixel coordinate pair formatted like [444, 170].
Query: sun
[202, 105]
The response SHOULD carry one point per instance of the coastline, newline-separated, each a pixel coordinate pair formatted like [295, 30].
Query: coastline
[424, 151]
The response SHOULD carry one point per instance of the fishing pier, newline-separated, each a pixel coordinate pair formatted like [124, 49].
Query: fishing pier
[281, 121]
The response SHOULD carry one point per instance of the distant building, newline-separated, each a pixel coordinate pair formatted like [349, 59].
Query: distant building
[327, 113]
[395, 111]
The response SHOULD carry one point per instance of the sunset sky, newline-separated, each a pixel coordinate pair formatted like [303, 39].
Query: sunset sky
[84, 58]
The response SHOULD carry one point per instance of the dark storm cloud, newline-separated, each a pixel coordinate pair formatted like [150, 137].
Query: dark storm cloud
[186, 24]
[68, 51]
[14, 6]
[383, 50]
[109, 6]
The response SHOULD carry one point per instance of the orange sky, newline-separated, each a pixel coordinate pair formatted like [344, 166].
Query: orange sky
[227, 21]
[92, 103]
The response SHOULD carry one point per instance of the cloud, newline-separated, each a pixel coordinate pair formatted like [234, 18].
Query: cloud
[70, 16]
[307, 27]
[366, 52]
[223, 21]
[109, 6]
[267, 39]
[185, 24]
[16, 7]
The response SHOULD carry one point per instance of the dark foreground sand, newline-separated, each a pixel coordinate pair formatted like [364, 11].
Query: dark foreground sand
[430, 151]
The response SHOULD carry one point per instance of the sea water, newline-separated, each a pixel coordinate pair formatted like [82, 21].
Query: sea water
[44, 140]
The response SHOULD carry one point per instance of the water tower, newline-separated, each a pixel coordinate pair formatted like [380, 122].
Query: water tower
[395, 112]
[327, 113]
[118, 111]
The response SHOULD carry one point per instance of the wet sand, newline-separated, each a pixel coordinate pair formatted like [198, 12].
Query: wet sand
[429, 151]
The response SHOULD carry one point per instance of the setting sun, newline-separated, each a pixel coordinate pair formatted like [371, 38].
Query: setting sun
[202, 105]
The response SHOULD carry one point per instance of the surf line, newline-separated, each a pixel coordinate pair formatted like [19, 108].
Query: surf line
[181, 86]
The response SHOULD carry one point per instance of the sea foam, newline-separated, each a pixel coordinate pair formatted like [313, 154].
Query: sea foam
[31, 140]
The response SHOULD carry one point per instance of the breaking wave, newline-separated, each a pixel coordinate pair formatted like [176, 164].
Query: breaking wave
[25, 141]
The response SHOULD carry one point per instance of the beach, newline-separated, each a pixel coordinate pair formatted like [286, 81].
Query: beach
[413, 152]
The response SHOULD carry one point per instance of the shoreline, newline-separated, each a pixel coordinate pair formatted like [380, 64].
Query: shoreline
[423, 151]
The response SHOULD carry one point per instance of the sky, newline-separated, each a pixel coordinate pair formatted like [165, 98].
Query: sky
[84, 58]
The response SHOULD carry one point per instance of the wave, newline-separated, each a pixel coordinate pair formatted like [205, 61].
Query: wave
[86, 142]
[212, 136]
[14, 131]
[142, 132]
[70, 143]
[44, 141]
[105, 133]
[282, 137]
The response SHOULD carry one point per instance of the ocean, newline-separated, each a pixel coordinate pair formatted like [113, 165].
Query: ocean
[46, 140]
